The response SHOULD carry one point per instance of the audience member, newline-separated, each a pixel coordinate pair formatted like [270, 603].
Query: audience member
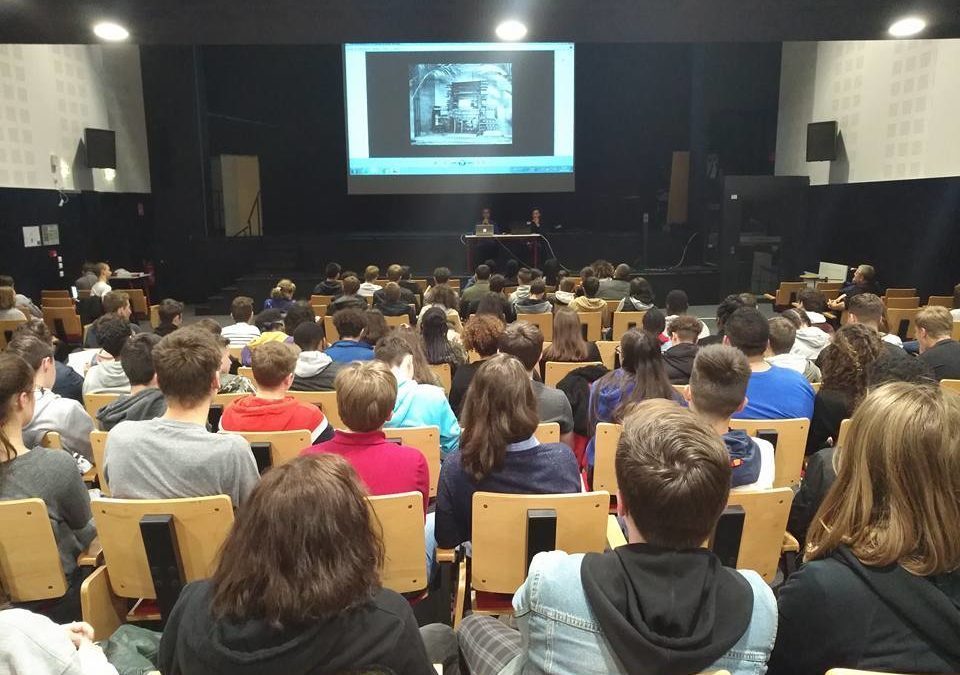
[602, 269]
[783, 336]
[536, 301]
[315, 370]
[281, 296]
[350, 325]
[89, 275]
[481, 335]
[8, 305]
[107, 376]
[422, 372]
[678, 358]
[846, 365]
[809, 341]
[638, 298]
[499, 451]
[406, 281]
[29, 471]
[299, 312]
[174, 455]
[867, 308]
[490, 302]
[878, 589]
[114, 303]
[68, 382]
[725, 310]
[22, 302]
[368, 287]
[565, 294]
[32, 643]
[477, 289]
[170, 313]
[568, 345]
[660, 604]
[441, 279]
[510, 271]
[321, 608]
[654, 324]
[417, 405]
[589, 302]
[436, 344]
[391, 302]
[272, 409]
[524, 277]
[955, 312]
[718, 388]
[814, 303]
[445, 298]
[331, 284]
[937, 348]
[376, 327]
[405, 296]
[773, 392]
[145, 401]
[620, 286]
[677, 304]
[241, 331]
[349, 299]
[101, 287]
[270, 324]
[230, 382]
[366, 393]
[864, 281]
[525, 341]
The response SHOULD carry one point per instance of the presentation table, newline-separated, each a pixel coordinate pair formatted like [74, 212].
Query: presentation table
[504, 239]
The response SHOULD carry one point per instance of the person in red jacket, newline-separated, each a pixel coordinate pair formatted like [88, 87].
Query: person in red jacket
[271, 409]
[366, 392]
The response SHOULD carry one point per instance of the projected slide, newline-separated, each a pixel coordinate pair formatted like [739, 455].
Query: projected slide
[468, 117]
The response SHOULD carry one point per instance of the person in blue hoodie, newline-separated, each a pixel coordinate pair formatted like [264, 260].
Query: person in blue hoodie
[718, 388]
[418, 405]
[641, 376]
[350, 324]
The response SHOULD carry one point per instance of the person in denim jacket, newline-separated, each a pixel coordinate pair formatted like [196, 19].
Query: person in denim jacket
[660, 604]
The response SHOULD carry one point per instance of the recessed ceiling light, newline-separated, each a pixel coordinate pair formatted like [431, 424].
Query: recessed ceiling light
[511, 30]
[907, 26]
[112, 32]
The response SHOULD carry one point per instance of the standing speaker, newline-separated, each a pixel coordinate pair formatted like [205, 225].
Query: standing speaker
[101, 146]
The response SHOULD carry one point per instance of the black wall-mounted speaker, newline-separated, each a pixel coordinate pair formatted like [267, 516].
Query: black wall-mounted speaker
[101, 146]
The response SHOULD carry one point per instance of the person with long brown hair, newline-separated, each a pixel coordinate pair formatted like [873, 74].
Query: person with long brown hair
[421, 367]
[51, 475]
[880, 589]
[845, 366]
[297, 588]
[568, 345]
[498, 449]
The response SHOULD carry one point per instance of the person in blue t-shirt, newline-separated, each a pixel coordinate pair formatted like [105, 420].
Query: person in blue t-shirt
[773, 392]
[350, 324]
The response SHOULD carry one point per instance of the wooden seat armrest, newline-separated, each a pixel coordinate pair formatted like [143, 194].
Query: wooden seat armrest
[446, 555]
[614, 533]
[93, 556]
[790, 543]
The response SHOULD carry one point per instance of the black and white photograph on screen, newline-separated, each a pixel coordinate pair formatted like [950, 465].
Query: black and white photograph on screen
[461, 104]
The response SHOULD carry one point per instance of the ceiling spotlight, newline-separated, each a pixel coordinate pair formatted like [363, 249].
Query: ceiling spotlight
[511, 30]
[907, 26]
[111, 32]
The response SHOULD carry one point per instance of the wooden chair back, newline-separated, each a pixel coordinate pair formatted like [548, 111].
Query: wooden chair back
[765, 523]
[902, 322]
[321, 299]
[52, 441]
[951, 385]
[399, 519]
[789, 449]
[816, 386]
[154, 316]
[940, 301]
[557, 370]
[246, 371]
[548, 432]
[901, 303]
[612, 306]
[787, 293]
[6, 331]
[64, 322]
[329, 330]
[445, 373]
[591, 324]
[830, 289]
[98, 441]
[138, 302]
[509, 290]
[235, 351]
[57, 302]
[53, 294]
[29, 560]
[326, 401]
[285, 446]
[624, 321]
[850, 671]
[226, 399]
[473, 356]
[397, 321]
[608, 352]
[955, 333]
[424, 439]
[421, 284]
[543, 321]
[901, 292]
[500, 533]
[604, 457]
[201, 524]
[844, 430]
[93, 402]
[319, 308]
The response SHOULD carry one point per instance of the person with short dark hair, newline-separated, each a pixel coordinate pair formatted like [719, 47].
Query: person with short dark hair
[417, 405]
[349, 298]
[492, 299]
[392, 302]
[404, 296]
[174, 455]
[783, 337]
[618, 286]
[272, 409]
[107, 376]
[68, 383]
[480, 286]
[510, 271]
[321, 607]
[101, 287]
[773, 392]
[407, 282]
[725, 310]
[868, 309]
[481, 335]
[315, 371]
[536, 300]
[678, 358]
[441, 280]
[331, 284]
[524, 277]
[589, 301]
[938, 349]
[677, 304]
[145, 401]
[170, 313]
[241, 332]
[654, 323]
[499, 451]
[51, 412]
[814, 303]
[638, 298]
[87, 278]
[350, 324]
[660, 604]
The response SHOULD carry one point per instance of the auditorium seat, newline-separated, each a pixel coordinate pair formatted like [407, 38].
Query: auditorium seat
[30, 566]
[608, 352]
[235, 351]
[199, 527]
[845, 429]
[591, 323]
[138, 303]
[940, 301]
[58, 293]
[901, 292]
[955, 334]
[902, 322]
[787, 292]
[397, 321]
[548, 432]
[64, 322]
[98, 441]
[542, 321]
[319, 309]
[424, 439]
[154, 316]
[57, 302]
[951, 385]
[444, 372]
[283, 446]
[329, 330]
[499, 556]
[326, 401]
[6, 330]
[764, 528]
[901, 303]
[789, 448]
[321, 299]
[624, 321]
[554, 371]
[246, 371]
[830, 289]
[93, 402]
[400, 521]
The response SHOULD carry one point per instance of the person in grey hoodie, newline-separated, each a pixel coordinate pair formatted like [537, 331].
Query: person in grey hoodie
[146, 401]
[810, 340]
[536, 301]
[783, 336]
[315, 371]
[107, 376]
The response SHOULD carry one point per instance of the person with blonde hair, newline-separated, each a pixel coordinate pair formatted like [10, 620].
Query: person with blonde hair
[937, 347]
[8, 305]
[880, 589]
[368, 287]
[281, 296]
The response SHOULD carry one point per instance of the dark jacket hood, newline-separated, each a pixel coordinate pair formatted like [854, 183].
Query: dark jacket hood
[678, 361]
[744, 457]
[145, 405]
[675, 612]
